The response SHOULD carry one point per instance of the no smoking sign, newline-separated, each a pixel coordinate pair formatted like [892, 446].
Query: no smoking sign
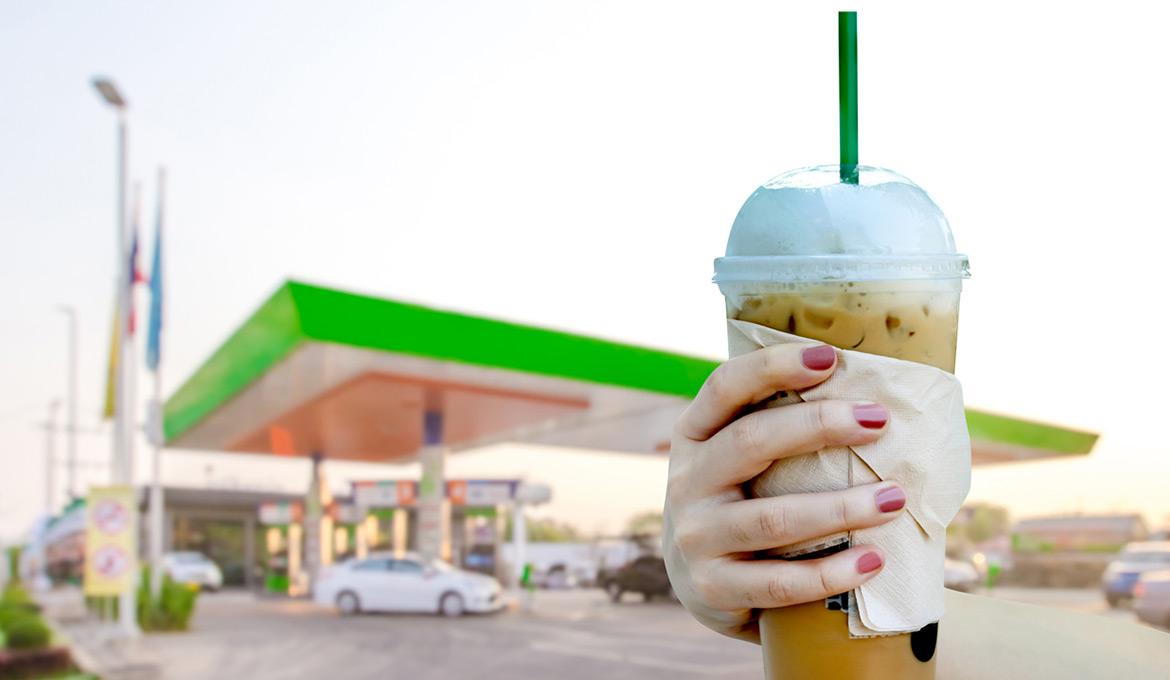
[111, 516]
[111, 561]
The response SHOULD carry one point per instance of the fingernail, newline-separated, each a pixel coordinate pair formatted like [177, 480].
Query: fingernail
[872, 416]
[818, 358]
[869, 562]
[890, 499]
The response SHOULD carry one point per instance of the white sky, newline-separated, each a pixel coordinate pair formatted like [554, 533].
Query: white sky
[577, 166]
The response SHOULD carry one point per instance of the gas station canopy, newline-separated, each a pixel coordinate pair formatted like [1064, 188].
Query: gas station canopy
[353, 377]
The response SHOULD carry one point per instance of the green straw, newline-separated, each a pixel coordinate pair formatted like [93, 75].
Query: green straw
[847, 66]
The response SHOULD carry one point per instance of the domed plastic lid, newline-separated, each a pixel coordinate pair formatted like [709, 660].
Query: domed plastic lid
[808, 225]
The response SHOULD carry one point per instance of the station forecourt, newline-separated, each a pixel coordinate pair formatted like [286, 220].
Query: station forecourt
[325, 374]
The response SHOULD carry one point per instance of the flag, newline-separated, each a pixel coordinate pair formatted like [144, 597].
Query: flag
[133, 276]
[136, 276]
[112, 369]
[154, 331]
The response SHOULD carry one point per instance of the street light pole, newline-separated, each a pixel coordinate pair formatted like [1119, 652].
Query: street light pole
[114, 98]
[71, 405]
[123, 428]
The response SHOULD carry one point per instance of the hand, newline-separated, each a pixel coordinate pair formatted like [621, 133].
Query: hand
[710, 529]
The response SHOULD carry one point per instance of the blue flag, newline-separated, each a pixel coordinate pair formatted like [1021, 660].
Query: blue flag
[156, 291]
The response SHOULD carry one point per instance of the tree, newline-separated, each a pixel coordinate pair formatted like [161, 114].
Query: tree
[544, 530]
[987, 522]
[649, 522]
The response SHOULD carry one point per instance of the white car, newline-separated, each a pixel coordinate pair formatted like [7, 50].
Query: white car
[405, 583]
[193, 568]
[960, 575]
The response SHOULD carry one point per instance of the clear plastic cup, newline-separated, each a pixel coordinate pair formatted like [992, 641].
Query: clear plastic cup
[870, 267]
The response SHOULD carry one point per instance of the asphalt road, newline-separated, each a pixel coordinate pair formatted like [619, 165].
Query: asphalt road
[569, 635]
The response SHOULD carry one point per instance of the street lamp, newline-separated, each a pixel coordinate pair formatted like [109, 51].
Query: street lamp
[123, 430]
[109, 92]
[122, 433]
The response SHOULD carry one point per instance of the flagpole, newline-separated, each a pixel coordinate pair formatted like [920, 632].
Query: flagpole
[155, 422]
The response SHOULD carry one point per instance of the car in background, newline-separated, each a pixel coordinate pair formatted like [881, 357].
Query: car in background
[960, 575]
[558, 577]
[1151, 598]
[1135, 559]
[193, 569]
[645, 575]
[405, 583]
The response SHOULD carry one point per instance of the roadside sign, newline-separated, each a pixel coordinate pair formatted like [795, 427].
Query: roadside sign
[281, 513]
[476, 493]
[110, 541]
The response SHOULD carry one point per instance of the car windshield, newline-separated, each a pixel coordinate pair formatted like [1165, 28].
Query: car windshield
[442, 566]
[189, 558]
[1146, 557]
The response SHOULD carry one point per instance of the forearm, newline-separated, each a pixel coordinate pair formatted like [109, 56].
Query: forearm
[982, 637]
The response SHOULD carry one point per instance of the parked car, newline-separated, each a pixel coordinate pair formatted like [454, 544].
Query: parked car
[384, 582]
[646, 575]
[960, 575]
[1151, 598]
[1137, 558]
[558, 577]
[193, 568]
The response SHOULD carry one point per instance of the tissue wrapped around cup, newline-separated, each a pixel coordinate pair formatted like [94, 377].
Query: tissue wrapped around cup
[926, 450]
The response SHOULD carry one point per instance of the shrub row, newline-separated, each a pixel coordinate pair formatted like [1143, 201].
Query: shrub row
[21, 622]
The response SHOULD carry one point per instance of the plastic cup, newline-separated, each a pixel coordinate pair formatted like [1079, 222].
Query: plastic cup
[870, 267]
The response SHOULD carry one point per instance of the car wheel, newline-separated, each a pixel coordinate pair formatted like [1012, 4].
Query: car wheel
[615, 592]
[1113, 600]
[348, 604]
[451, 605]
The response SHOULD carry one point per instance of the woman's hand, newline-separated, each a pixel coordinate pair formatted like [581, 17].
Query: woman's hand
[710, 529]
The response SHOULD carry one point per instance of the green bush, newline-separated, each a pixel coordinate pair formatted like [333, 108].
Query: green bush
[172, 610]
[27, 632]
[14, 594]
[11, 611]
[12, 554]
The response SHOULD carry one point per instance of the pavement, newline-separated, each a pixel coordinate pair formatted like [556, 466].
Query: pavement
[566, 635]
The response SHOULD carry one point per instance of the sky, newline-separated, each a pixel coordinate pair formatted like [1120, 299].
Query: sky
[577, 166]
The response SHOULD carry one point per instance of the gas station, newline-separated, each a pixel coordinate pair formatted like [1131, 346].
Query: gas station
[329, 375]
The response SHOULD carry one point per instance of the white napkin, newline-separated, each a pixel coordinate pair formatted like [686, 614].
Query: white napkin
[926, 450]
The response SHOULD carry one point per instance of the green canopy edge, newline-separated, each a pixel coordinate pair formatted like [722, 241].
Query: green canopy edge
[299, 312]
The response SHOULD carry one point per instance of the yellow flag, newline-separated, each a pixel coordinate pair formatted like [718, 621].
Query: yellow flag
[112, 372]
[111, 559]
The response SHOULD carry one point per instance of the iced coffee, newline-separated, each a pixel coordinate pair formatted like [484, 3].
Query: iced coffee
[869, 267]
[892, 319]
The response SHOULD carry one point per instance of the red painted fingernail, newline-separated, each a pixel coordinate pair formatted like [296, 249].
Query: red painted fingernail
[869, 562]
[818, 358]
[872, 416]
[890, 499]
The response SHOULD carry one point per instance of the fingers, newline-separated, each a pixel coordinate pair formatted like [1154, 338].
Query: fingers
[766, 523]
[748, 446]
[767, 584]
[750, 379]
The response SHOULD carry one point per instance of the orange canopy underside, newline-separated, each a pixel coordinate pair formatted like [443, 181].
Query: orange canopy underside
[379, 417]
